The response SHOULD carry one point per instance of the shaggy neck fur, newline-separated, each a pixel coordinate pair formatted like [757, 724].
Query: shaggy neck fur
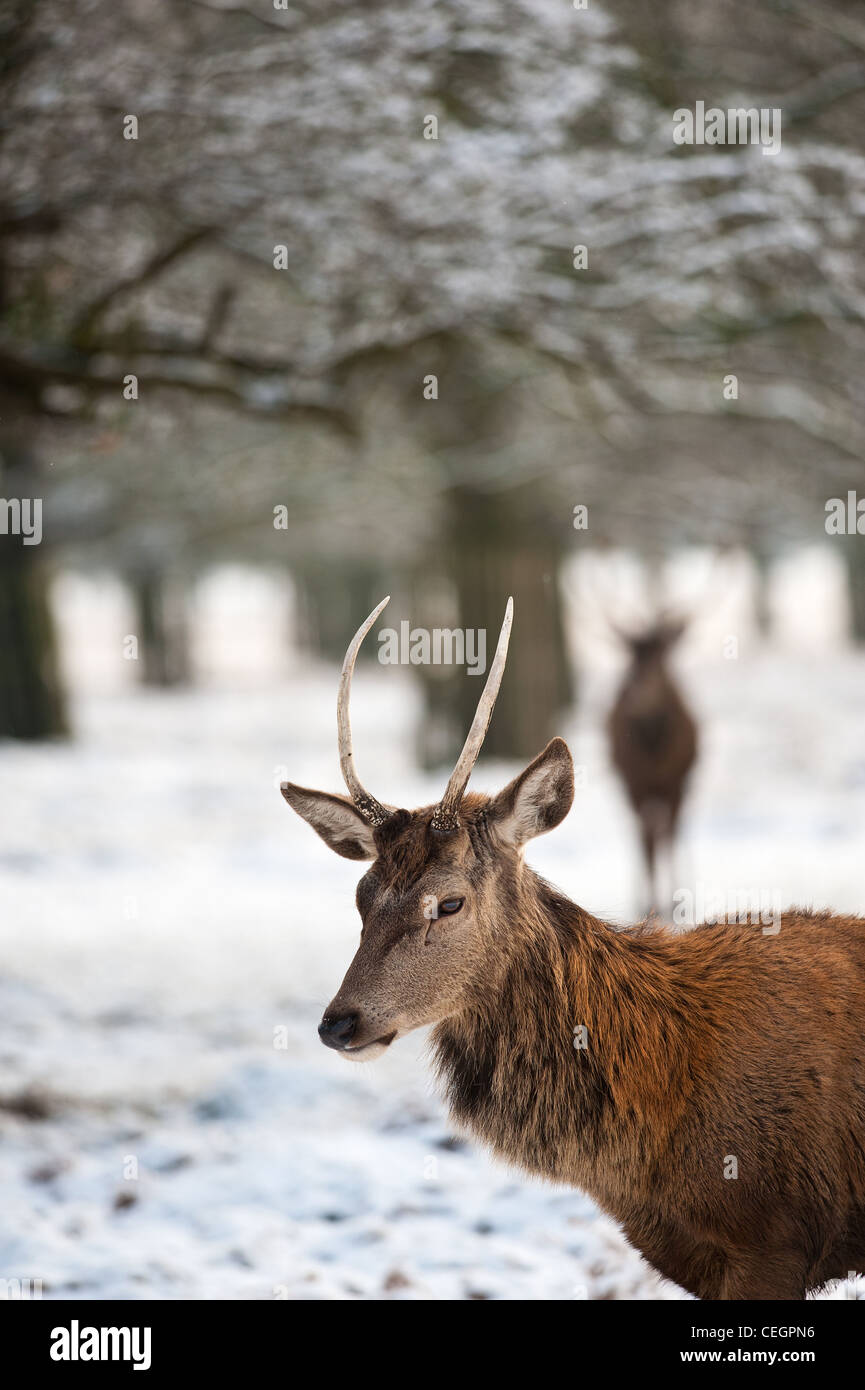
[513, 1074]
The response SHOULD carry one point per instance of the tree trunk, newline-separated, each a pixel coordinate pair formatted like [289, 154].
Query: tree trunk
[496, 551]
[163, 630]
[762, 574]
[333, 598]
[31, 698]
[854, 557]
[32, 704]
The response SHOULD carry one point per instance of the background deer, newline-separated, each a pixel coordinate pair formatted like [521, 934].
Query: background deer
[653, 741]
[707, 1089]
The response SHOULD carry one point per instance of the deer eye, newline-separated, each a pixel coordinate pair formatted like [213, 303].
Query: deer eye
[449, 906]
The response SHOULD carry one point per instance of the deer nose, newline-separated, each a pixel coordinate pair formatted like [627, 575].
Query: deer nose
[337, 1032]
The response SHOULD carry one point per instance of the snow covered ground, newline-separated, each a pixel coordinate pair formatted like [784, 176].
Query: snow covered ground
[170, 1126]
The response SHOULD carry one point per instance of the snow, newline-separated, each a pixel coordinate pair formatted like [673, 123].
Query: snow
[170, 932]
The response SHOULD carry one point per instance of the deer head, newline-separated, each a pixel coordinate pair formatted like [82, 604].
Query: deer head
[444, 882]
[651, 643]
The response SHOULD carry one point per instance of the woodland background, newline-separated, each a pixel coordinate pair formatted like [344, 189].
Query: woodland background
[303, 128]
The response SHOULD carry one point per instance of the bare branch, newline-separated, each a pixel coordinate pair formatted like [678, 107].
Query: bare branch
[263, 394]
[86, 320]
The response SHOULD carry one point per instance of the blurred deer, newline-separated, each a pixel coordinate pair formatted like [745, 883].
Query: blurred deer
[653, 741]
[638, 1065]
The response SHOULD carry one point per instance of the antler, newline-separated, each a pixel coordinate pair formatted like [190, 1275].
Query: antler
[446, 817]
[372, 811]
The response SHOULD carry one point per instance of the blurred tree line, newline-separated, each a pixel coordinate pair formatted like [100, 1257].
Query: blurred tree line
[330, 266]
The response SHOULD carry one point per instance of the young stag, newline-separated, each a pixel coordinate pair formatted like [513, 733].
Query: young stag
[653, 741]
[707, 1089]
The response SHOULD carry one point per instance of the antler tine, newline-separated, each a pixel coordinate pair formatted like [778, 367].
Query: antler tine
[446, 816]
[372, 811]
[687, 613]
[612, 622]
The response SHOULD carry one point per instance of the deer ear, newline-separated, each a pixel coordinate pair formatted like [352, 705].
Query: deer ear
[334, 818]
[674, 630]
[539, 799]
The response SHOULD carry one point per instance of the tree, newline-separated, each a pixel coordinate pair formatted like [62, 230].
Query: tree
[286, 221]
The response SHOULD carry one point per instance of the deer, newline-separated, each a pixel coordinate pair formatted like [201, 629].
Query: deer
[653, 740]
[706, 1088]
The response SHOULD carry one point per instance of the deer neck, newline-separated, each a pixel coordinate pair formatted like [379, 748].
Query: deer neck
[572, 1061]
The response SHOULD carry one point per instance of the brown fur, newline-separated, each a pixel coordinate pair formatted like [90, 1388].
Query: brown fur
[723, 1042]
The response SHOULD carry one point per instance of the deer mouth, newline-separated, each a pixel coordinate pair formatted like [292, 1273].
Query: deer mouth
[366, 1051]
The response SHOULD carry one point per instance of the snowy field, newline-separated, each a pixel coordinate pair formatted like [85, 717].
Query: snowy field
[165, 920]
